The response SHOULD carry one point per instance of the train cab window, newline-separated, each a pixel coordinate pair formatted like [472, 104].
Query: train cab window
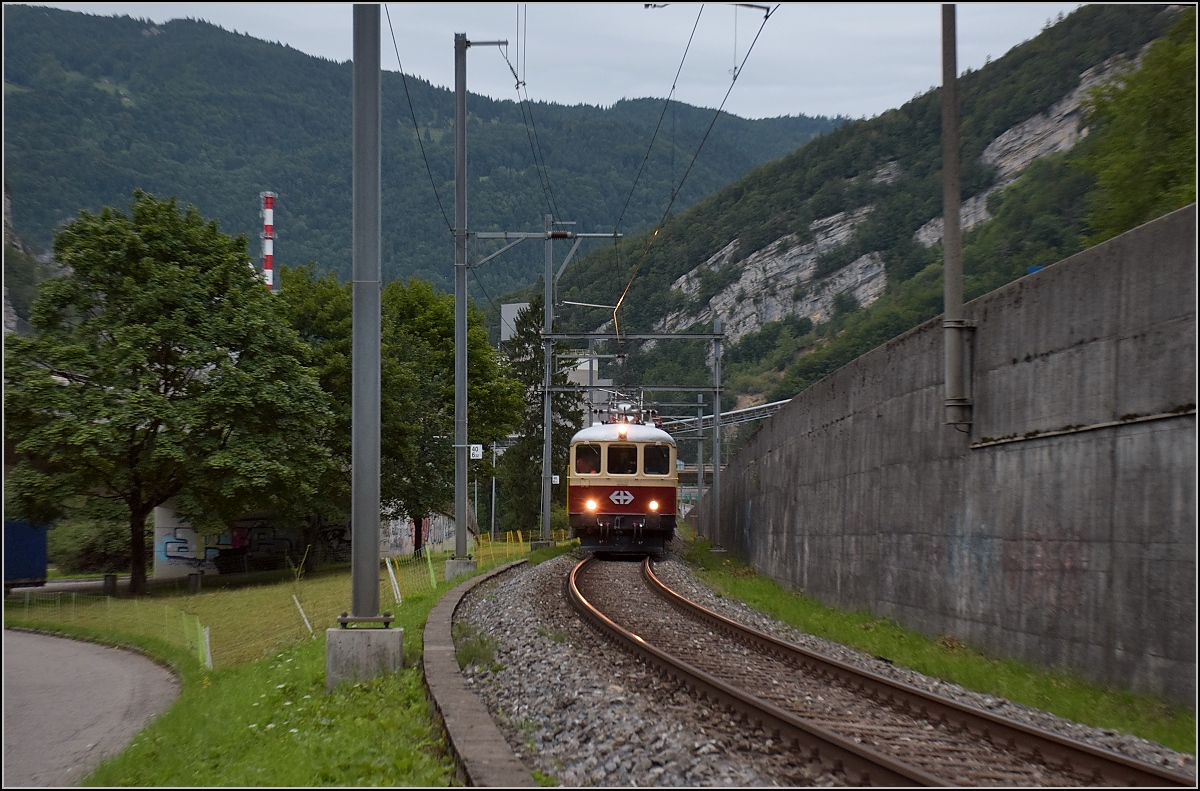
[587, 459]
[622, 459]
[657, 460]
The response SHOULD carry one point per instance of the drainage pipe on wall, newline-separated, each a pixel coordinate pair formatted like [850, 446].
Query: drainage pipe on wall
[958, 401]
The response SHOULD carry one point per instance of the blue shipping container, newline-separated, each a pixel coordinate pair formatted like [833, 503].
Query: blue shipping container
[24, 554]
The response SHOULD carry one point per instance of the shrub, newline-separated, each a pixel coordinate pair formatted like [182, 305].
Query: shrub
[93, 546]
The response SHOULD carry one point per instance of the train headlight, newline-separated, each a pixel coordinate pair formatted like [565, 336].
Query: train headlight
[591, 505]
[654, 505]
[622, 430]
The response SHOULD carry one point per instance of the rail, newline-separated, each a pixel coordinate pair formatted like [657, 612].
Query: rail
[1071, 756]
[868, 766]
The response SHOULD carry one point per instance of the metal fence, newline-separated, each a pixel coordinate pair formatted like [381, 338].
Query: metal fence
[289, 610]
[126, 616]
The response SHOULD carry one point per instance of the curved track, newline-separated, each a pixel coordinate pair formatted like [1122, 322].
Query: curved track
[878, 731]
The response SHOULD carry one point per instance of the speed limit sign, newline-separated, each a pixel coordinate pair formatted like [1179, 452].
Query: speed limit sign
[476, 451]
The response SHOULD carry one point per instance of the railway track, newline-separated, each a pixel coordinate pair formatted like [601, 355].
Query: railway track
[878, 731]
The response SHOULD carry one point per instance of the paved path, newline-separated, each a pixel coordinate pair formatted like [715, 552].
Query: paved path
[68, 705]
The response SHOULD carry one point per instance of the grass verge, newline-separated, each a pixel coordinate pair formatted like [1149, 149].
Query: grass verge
[262, 716]
[1058, 692]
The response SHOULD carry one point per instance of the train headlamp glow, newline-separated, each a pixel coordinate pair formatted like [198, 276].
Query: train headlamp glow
[591, 505]
[622, 430]
[654, 505]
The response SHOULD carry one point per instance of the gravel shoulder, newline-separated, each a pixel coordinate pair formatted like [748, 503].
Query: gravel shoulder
[583, 712]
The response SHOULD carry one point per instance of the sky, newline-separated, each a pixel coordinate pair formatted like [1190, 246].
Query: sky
[851, 59]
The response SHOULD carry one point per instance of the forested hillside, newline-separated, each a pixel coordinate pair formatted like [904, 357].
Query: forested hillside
[820, 256]
[98, 106]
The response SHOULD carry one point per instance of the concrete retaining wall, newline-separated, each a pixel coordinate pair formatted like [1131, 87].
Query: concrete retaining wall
[1062, 527]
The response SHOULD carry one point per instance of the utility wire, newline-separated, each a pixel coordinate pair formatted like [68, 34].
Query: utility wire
[488, 296]
[654, 136]
[531, 134]
[537, 139]
[428, 169]
[416, 126]
[675, 194]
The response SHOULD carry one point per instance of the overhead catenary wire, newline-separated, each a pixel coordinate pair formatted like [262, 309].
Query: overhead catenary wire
[416, 126]
[428, 169]
[535, 145]
[654, 235]
[658, 126]
[545, 168]
[471, 268]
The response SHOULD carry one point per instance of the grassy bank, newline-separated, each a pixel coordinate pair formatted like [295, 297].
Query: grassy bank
[261, 716]
[945, 657]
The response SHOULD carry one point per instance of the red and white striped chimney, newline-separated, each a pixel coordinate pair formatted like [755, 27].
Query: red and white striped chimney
[268, 239]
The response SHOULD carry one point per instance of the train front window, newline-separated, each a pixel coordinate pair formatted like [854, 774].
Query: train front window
[587, 459]
[622, 459]
[657, 460]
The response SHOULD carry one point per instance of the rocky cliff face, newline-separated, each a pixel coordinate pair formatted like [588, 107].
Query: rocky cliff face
[778, 281]
[1058, 129]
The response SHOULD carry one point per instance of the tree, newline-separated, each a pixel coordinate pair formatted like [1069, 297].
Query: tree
[1143, 146]
[417, 389]
[519, 473]
[160, 369]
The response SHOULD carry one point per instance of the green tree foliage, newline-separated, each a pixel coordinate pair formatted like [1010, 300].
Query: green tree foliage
[519, 472]
[161, 369]
[95, 106]
[1143, 146]
[417, 367]
[22, 274]
[95, 541]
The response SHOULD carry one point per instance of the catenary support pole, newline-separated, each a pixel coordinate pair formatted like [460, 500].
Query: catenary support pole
[460, 295]
[716, 487]
[493, 508]
[591, 397]
[958, 406]
[547, 364]
[366, 320]
[699, 454]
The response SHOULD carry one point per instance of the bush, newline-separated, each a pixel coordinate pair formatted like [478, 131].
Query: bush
[94, 546]
[559, 518]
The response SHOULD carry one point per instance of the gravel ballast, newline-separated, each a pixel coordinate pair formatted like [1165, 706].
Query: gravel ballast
[581, 711]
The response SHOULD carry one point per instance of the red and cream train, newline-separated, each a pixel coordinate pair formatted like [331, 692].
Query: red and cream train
[622, 484]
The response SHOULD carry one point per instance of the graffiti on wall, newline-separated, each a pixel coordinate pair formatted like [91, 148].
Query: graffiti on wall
[254, 545]
[248, 546]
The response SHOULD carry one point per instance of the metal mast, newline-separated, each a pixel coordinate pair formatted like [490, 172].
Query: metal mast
[958, 403]
[461, 507]
[548, 371]
[366, 389]
[460, 294]
[716, 485]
